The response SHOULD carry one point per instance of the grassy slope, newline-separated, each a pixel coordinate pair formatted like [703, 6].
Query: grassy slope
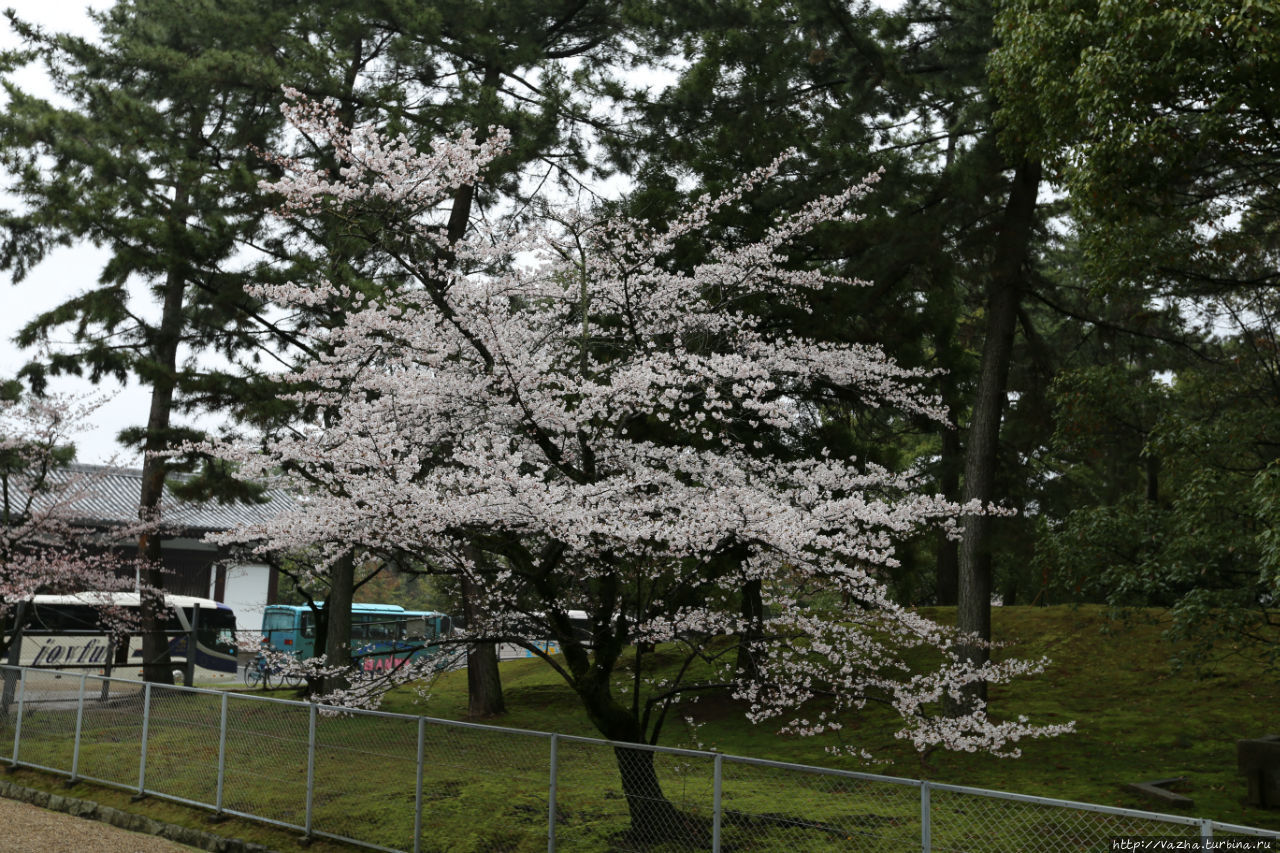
[1136, 718]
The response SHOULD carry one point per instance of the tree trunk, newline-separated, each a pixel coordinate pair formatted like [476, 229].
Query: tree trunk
[653, 817]
[337, 641]
[484, 682]
[12, 651]
[753, 616]
[947, 567]
[974, 605]
[156, 662]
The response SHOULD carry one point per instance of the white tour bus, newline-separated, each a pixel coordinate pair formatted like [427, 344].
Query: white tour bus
[65, 632]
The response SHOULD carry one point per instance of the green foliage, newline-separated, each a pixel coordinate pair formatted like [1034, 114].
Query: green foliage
[410, 591]
[1266, 504]
[1155, 117]
[151, 158]
[1176, 485]
[1158, 119]
[216, 481]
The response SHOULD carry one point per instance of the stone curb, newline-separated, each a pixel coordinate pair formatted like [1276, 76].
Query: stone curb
[127, 820]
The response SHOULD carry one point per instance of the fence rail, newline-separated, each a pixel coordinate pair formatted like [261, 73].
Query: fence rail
[402, 783]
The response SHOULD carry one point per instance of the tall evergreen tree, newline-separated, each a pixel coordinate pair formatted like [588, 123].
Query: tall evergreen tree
[1159, 120]
[151, 161]
[831, 84]
[950, 267]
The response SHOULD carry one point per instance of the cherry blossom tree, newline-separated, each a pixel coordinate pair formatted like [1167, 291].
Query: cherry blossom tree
[44, 544]
[569, 419]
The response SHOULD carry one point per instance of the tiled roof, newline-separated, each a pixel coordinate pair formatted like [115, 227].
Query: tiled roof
[112, 498]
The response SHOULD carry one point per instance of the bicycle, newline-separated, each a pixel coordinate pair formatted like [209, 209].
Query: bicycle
[269, 677]
[257, 673]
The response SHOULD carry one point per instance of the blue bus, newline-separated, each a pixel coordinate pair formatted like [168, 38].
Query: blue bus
[383, 636]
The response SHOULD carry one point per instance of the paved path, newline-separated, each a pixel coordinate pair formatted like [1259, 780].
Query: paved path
[25, 828]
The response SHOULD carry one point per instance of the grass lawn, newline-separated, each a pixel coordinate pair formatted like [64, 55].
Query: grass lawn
[1136, 720]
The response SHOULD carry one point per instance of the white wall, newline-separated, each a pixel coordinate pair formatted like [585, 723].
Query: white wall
[246, 593]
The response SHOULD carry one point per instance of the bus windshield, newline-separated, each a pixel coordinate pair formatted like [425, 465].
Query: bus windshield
[277, 622]
[215, 629]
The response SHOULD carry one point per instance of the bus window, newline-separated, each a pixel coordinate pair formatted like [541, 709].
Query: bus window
[382, 629]
[64, 617]
[308, 624]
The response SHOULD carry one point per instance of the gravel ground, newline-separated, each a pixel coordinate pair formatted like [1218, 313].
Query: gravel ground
[25, 828]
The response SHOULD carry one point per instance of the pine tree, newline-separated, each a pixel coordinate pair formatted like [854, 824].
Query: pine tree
[151, 160]
[950, 261]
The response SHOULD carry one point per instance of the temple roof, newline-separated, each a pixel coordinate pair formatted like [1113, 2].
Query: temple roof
[108, 496]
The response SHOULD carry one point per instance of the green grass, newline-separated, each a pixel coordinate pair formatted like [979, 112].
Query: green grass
[483, 790]
[1136, 718]
[282, 840]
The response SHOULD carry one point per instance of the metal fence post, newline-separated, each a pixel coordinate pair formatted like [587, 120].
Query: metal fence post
[551, 794]
[926, 819]
[716, 792]
[311, 769]
[222, 755]
[417, 786]
[1206, 833]
[189, 670]
[75, 749]
[17, 729]
[14, 658]
[146, 725]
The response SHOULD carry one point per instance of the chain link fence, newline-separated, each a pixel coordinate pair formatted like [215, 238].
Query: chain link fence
[401, 783]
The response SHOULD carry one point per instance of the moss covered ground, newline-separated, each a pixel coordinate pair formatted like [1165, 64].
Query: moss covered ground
[1137, 717]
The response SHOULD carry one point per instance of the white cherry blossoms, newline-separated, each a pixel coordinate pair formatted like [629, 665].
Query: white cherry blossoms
[575, 420]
